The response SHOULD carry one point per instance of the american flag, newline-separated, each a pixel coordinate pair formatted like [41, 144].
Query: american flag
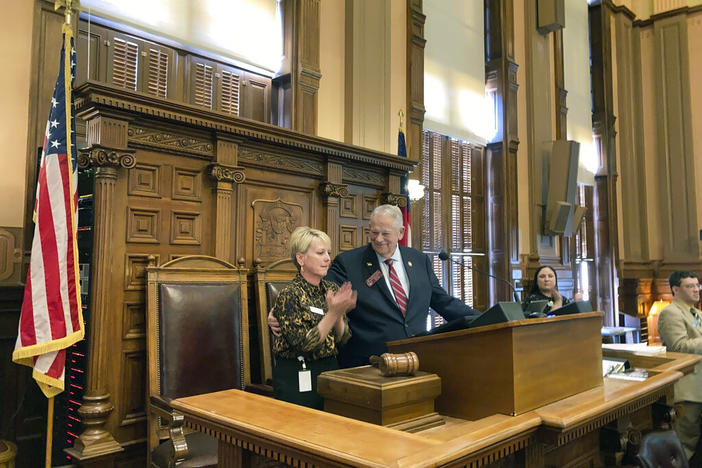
[51, 318]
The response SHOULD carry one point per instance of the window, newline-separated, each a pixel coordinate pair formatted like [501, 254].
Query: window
[585, 245]
[453, 213]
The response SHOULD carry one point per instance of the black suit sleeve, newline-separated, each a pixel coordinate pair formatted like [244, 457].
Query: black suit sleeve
[445, 305]
[337, 272]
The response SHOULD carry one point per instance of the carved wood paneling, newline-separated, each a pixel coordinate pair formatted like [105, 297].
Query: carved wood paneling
[132, 407]
[186, 228]
[135, 271]
[133, 320]
[279, 161]
[369, 204]
[145, 181]
[168, 140]
[348, 207]
[143, 225]
[187, 185]
[10, 254]
[363, 177]
[348, 237]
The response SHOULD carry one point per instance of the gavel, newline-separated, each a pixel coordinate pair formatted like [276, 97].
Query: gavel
[396, 364]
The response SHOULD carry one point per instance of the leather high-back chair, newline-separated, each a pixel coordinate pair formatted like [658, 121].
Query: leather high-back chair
[661, 450]
[270, 280]
[197, 342]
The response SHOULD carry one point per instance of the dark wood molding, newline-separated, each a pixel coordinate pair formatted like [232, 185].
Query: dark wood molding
[603, 118]
[501, 155]
[92, 97]
[306, 73]
[415, 78]
[686, 10]
[561, 93]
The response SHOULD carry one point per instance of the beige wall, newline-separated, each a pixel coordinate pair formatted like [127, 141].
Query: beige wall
[363, 65]
[16, 46]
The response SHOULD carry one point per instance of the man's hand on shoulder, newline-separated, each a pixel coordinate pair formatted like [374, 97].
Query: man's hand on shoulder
[273, 324]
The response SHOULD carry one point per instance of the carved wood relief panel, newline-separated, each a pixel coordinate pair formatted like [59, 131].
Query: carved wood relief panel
[274, 221]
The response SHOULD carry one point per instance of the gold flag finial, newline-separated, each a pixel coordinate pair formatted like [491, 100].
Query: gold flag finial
[401, 113]
[69, 6]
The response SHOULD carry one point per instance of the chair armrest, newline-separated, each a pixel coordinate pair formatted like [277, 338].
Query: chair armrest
[161, 406]
[175, 421]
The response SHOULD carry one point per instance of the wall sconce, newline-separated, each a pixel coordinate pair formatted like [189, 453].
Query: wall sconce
[652, 322]
[415, 189]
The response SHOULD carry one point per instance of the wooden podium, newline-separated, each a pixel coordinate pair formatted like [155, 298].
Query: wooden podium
[513, 367]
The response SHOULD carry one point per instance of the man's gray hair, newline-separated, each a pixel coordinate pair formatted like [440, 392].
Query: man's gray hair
[390, 211]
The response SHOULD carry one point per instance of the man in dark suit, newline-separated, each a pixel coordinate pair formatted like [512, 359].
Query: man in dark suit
[390, 305]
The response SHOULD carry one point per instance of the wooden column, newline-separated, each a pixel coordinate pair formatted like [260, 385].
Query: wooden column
[415, 78]
[96, 441]
[332, 190]
[226, 175]
[501, 157]
[605, 215]
[305, 65]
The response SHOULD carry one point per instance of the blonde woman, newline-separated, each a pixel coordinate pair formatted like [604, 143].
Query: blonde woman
[311, 312]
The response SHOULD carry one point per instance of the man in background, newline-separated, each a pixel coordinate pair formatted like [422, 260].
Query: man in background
[680, 329]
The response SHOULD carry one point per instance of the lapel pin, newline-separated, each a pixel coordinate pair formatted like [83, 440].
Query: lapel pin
[409, 263]
[369, 264]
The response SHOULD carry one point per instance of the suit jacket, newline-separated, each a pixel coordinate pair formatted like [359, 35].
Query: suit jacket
[679, 334]
[377, 318]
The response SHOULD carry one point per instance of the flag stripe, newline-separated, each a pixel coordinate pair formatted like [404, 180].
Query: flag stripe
[50, 256]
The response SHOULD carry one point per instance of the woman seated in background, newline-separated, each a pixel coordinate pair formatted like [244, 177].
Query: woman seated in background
[545, 288]
[312, 316]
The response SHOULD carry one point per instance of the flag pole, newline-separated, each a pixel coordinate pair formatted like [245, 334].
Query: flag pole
[49, 431]
[68, 10]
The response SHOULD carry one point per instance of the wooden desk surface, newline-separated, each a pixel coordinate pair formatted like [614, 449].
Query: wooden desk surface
[278, 425]
[334, 437]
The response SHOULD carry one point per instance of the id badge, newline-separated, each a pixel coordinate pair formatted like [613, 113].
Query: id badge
[304, 378]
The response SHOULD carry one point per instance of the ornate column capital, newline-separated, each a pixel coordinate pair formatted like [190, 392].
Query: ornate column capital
[397, 199]
[225, 173]
[330, 190]
[99, 156]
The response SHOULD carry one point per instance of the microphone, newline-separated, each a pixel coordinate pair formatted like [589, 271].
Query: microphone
[443, 256]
